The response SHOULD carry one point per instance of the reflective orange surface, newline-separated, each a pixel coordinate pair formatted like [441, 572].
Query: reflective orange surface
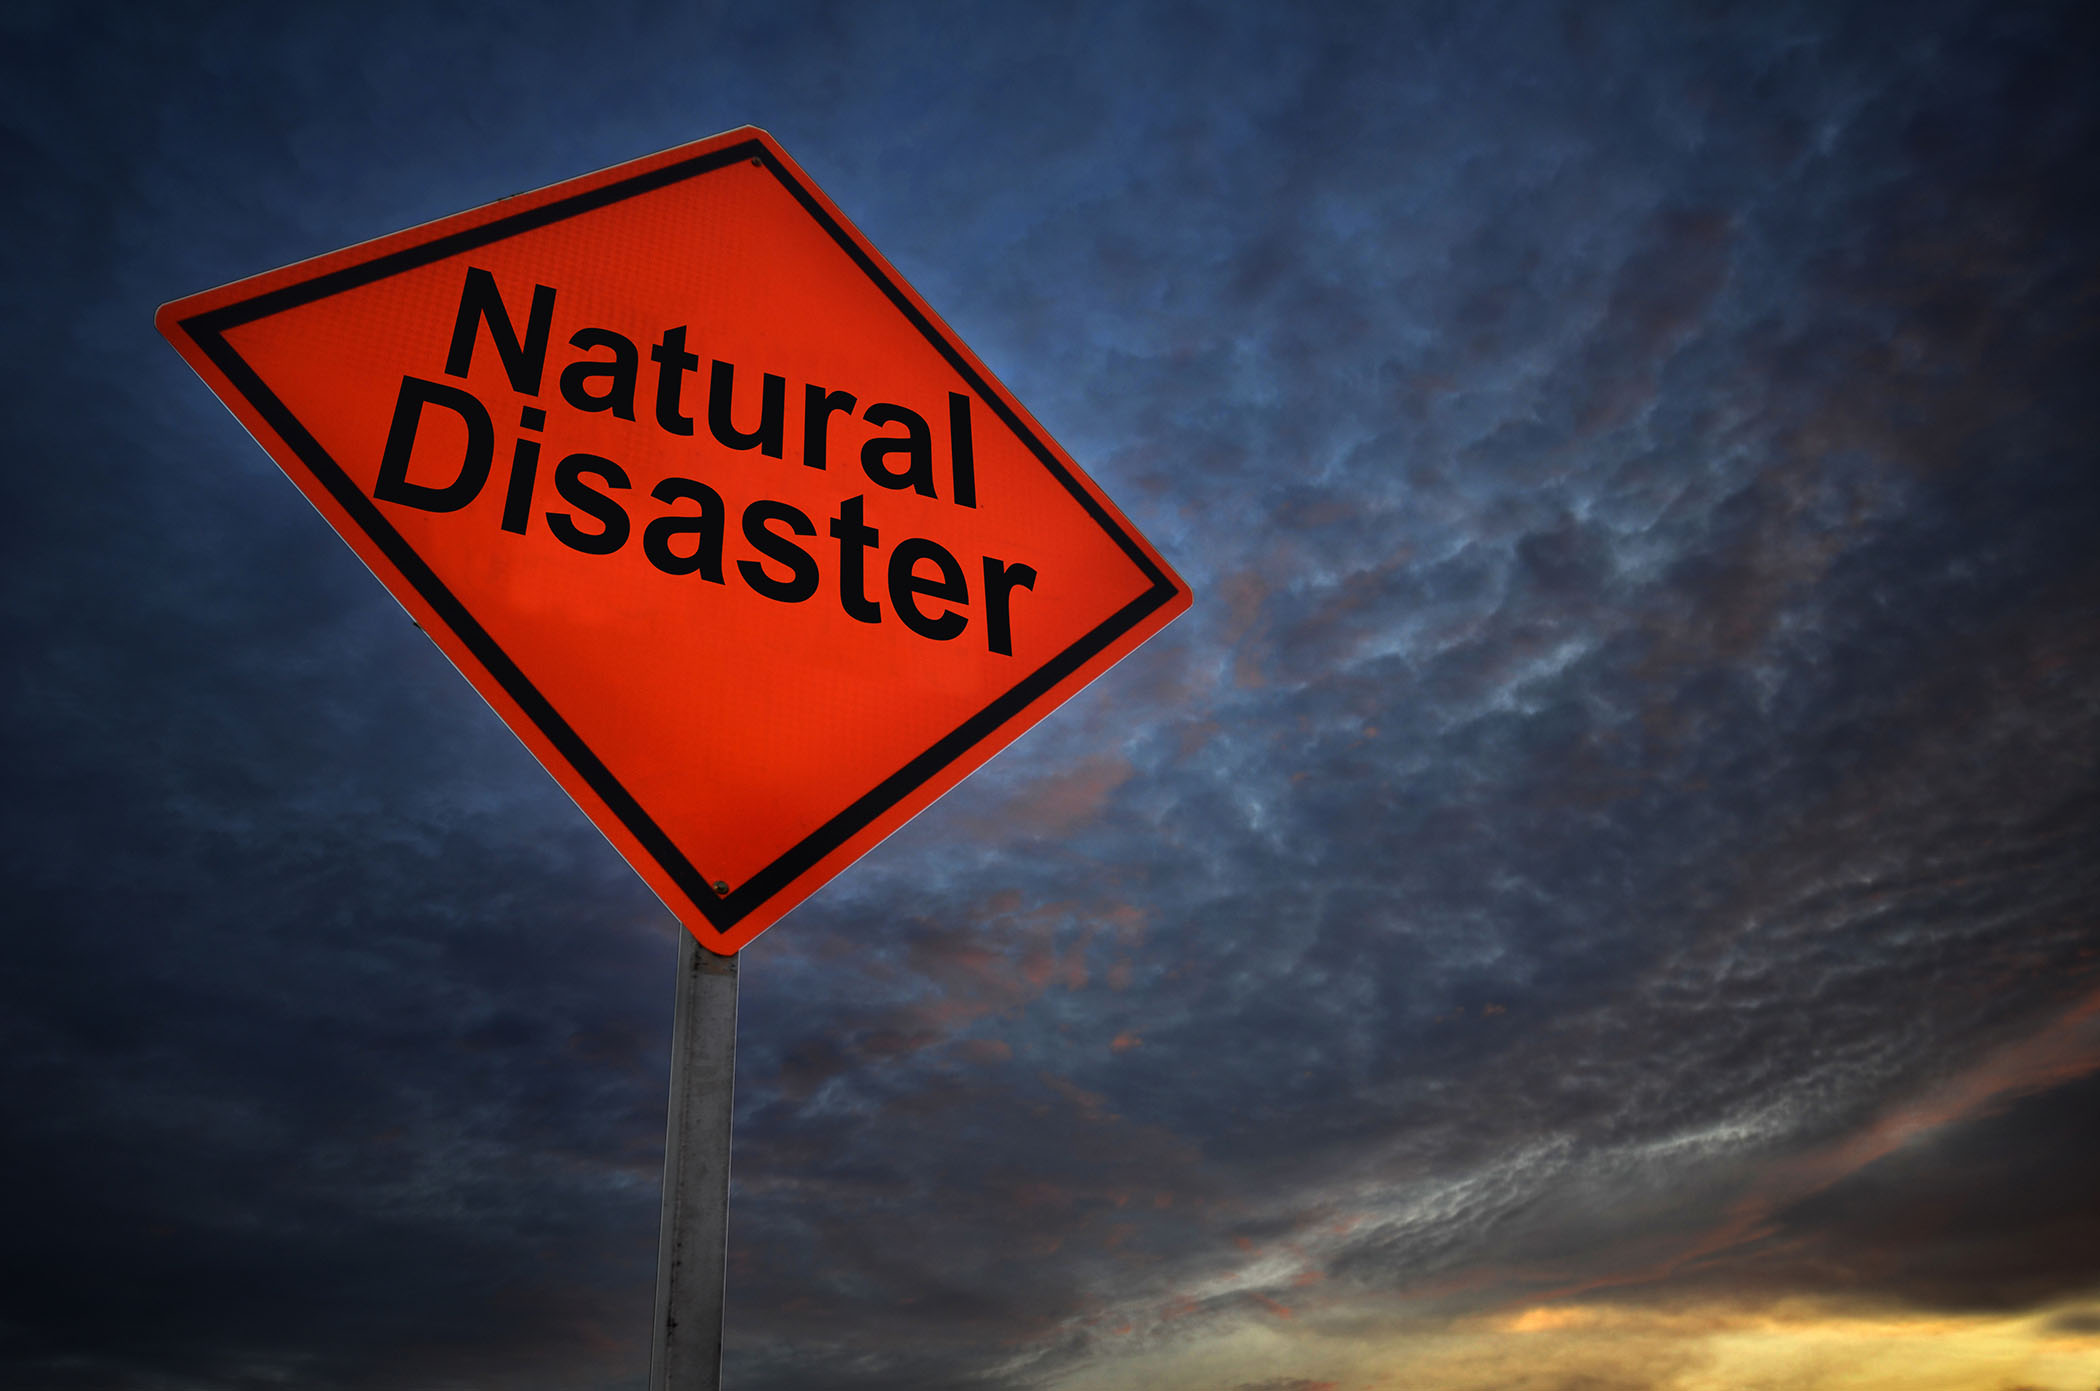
[689, 601]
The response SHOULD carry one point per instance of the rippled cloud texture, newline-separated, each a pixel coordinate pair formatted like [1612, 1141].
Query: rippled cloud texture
[1598, 893]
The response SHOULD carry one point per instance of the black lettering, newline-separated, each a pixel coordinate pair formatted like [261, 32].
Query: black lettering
[772, 412]
[776, 547]
[855, 539]
[673, 362]
[481, 303]
[392, 484]
[817, 406]
[569, 477]
[625, 366]
[517, 498]
[524, 472]
[962, 452]
[1000, 581]
[917, 442]
[657, 536]
[906, 584]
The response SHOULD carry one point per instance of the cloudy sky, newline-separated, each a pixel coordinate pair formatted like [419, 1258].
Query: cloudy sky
[1597, 893]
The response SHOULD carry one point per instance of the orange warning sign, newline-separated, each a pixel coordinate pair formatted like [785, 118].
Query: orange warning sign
[724, 522]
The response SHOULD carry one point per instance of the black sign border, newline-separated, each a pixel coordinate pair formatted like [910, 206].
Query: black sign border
[723, 912]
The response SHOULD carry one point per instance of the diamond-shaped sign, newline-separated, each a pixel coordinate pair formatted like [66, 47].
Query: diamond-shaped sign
[724, 522]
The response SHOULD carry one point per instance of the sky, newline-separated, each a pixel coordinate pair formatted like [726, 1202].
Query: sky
[1596, 895]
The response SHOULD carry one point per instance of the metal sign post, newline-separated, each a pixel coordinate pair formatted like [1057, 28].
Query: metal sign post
[741, 708]
[693, 1241]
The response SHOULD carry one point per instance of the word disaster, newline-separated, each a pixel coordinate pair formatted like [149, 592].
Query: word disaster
[686, 533]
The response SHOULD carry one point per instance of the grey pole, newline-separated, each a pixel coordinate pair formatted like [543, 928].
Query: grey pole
[693, 1241]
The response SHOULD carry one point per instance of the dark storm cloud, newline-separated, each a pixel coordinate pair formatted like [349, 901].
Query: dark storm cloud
[1612, 767]
[1979, 1216]
[1635, 731]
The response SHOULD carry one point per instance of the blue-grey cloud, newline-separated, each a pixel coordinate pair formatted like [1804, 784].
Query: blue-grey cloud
[1633, 739]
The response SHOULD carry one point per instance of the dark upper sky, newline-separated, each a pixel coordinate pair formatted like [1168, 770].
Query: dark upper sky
[1598, 892]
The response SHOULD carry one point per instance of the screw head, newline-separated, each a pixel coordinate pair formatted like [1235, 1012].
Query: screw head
[721, 886]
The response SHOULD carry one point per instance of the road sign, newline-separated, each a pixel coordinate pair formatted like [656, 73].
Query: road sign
[733, 532]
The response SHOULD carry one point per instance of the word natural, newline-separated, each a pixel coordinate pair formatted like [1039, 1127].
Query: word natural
[680, 542]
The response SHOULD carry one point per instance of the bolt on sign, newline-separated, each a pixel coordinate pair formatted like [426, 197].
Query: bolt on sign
[734, 533]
